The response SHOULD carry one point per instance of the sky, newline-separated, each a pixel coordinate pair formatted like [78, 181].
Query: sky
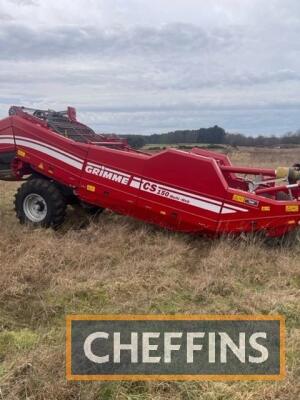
[151, 66]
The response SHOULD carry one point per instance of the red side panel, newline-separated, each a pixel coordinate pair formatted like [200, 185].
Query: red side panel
[173, 188]
[183, 191]
[221, 158]
[110, 172]
[48, 152]
[7, 144]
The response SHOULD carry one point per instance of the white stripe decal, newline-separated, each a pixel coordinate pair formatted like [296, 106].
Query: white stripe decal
[182, 192]
[202, 204]
[51, 153]
[6, 141]
[235, 207]
[49, 146]
[227, 211]
[180, 196]
[135, 183]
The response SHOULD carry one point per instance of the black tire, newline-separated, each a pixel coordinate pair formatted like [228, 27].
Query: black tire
[39, 202]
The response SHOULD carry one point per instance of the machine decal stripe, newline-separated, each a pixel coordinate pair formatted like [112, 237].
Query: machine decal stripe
[181, 192]
[179, 196]
[235, 207]
[7, 141]
[51, 153]
[49, 147]
[135, 183]
[195, 199]
[227, 211]
[191, 195]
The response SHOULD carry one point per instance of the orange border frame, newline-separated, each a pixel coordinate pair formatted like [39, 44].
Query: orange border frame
[183, 317]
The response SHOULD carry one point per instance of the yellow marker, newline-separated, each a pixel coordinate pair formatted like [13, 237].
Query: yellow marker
[163, 213]
[41, 166]
[21, 153]
[291, 222]
[265, 208]
[239, 198]
[293, 208]
[90, 188]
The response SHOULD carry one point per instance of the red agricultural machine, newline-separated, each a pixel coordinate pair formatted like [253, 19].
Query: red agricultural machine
[64, 162]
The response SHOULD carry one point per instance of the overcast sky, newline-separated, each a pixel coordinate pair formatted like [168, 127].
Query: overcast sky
[144, 66]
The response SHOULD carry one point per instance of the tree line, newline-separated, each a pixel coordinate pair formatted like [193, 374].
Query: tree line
[212, 135]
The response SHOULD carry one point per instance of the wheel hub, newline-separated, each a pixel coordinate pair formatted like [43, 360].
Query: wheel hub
[35, 207]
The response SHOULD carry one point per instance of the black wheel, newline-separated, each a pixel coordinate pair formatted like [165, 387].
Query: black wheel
[40, 203]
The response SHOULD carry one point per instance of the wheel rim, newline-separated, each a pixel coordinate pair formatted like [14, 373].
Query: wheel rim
[35, 207]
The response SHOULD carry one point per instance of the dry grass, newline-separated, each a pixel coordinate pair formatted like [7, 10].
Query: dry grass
[115, 264]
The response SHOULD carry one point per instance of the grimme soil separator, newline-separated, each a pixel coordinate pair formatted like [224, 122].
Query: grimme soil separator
[62, 161]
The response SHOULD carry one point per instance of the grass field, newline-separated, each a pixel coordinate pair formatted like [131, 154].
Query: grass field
[118, 265]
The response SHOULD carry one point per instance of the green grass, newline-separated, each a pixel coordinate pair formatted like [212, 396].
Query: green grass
[17, 341]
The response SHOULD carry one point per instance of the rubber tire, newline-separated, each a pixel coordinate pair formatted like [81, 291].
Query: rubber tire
[56, 204]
